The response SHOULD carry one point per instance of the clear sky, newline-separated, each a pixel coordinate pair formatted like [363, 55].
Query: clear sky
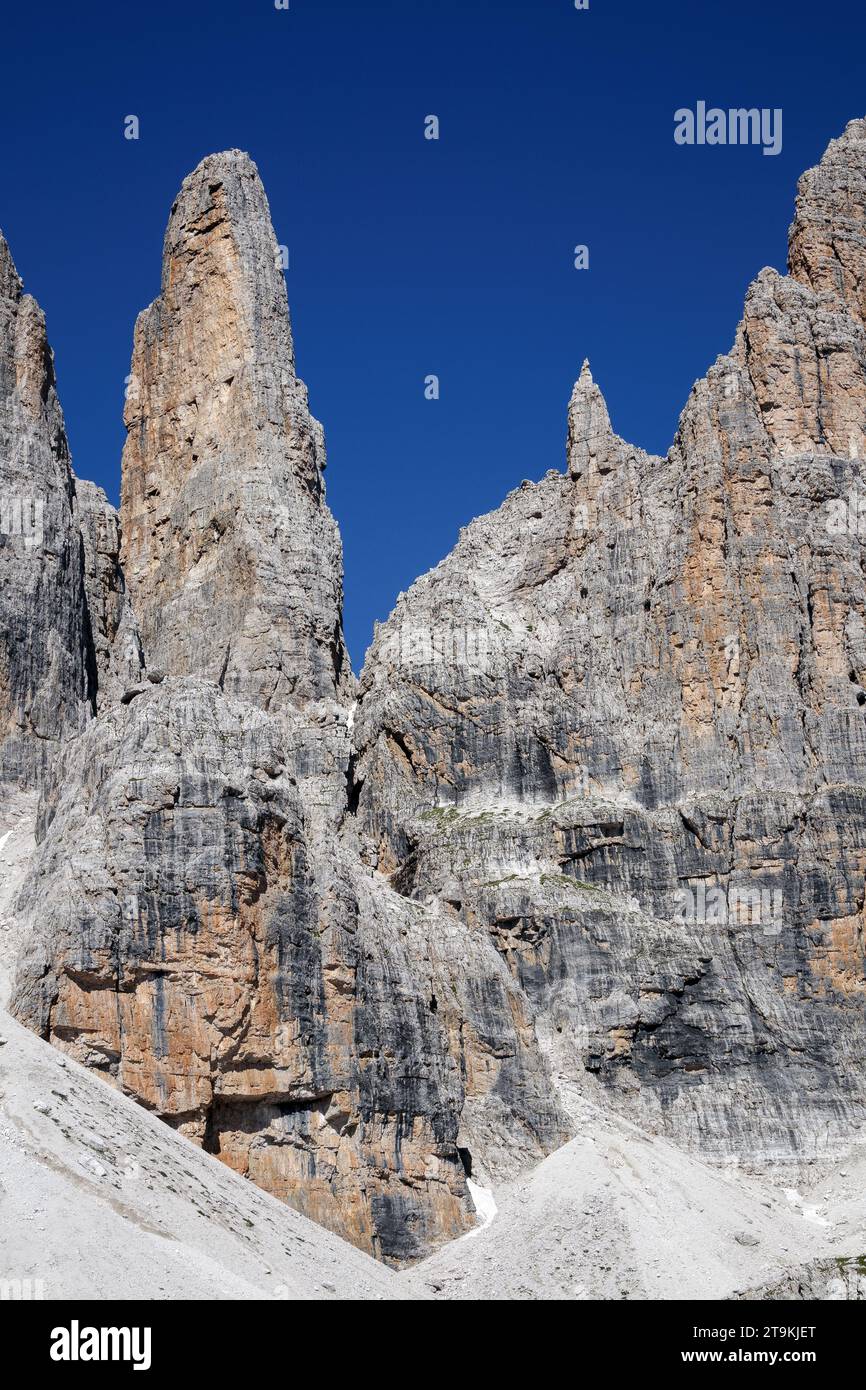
[408, 256]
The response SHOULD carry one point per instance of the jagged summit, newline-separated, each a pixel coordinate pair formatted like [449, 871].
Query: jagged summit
[46, 679]
[827, 239]
[667, 667]
[590, 436]
[220, 163]
[67, 635]
[593, 448]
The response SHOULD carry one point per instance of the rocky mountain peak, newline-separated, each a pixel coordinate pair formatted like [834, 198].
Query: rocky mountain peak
[592, 444]
[657, 695]
[220, 252]
[233, 560]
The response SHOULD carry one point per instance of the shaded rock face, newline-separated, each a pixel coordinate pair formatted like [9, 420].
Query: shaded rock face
[117, 651]
[68, 638]
[232, 558]
[595, 829]
[46, 677]
[622, 726]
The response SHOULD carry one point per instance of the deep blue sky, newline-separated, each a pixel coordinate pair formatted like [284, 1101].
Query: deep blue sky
[411, 257]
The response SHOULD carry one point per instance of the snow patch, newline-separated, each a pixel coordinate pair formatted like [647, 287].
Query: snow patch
[808, 1212]
[485, 1206]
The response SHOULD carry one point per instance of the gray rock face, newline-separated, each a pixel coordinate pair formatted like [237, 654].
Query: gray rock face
[46, 681]
[595, 834]
[827, 1281]
[622, 727]
[68, 638]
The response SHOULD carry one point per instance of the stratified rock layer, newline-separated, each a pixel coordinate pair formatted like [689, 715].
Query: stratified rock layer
[68, 638]
[264, 995]
[827, 244]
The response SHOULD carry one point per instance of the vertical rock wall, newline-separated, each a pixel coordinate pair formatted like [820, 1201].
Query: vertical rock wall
[47, 681]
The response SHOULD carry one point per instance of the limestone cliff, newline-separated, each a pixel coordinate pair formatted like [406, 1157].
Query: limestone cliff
[117, 651]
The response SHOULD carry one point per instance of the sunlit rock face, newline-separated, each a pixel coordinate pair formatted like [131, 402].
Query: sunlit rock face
[827, 241]
[232, 557]
[591, 830]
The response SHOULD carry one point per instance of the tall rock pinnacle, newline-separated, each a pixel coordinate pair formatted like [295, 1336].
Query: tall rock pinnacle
[233, 560]
[591, 441]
